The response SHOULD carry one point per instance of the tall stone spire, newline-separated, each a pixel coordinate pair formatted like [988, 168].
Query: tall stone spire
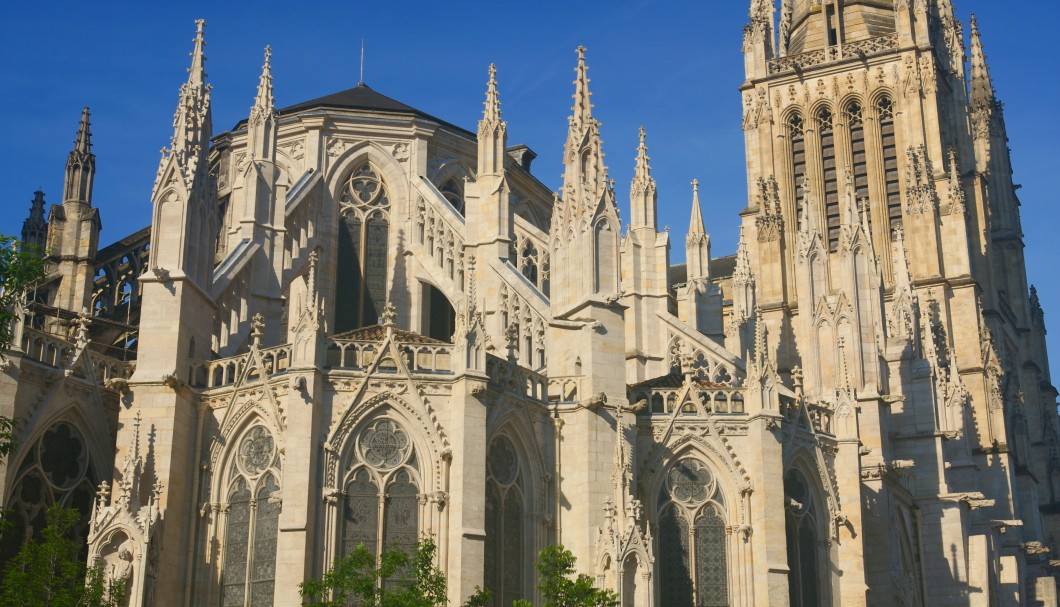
[697, 244]
[488, 207]
[492, 130]
[261, 125]
[35, 227]
[80, 165]
[643, 198]
[263, 102]
[585, 225]
[192, 123]
[982, 84]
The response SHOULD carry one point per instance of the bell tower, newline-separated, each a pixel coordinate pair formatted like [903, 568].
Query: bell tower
[882, 231]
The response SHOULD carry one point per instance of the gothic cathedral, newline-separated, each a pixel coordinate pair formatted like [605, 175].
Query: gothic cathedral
[351, 322]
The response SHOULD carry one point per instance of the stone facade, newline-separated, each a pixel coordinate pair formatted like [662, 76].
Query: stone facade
[352, 322]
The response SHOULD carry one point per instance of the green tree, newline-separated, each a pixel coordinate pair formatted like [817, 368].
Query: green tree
[396, 580]
[20, 268]
[555, 566]
[47, 572]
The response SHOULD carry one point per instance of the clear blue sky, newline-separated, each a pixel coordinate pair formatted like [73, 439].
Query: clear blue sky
[672, 66]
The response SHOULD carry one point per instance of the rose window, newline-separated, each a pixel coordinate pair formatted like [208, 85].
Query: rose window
[256, 451]
[384, 444]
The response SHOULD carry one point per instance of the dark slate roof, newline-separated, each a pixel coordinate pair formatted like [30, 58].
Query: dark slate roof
[720, 267]
[671, 380]
[378, 333]
[362, 97]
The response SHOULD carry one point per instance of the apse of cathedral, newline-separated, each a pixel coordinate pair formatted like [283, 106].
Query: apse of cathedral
[351, 322]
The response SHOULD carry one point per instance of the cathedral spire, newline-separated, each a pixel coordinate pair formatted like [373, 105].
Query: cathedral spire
[192, 126]
[35, 227]
[643, 198]
[583, 107]
[492, 130]
[697, 244]
[80, 165]
[982, 84]
[263, 102]
[492, 112]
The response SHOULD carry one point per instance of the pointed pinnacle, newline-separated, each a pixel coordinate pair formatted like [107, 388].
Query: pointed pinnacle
[83, 143]
[695, 224]
[583, 107]
[264, 98]
[492, 104]
[197, 71]
[982, 86]
[642, 169]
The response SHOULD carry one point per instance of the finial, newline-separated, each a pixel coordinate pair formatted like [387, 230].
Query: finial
[257, 328]
[263, 102]
[695, 224]
[83, 143]
[642, 170]
[492, 113]
[197, 71]
[389, 316]
[582, 104]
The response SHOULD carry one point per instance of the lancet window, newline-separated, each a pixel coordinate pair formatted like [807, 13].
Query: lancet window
[363, 260]
[57, 470]
[802, 540]
[693, 540]
[381, 503]
[505, 554]
[826, 132]
[252, 515]
[528, 261]
[797, 139]
[889, 149]
[859, 158]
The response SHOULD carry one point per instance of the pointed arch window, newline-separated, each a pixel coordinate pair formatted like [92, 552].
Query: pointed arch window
[829, 172]
[57, 470]
[363, 259]
[453, 192]
[693, 538]
[505, 553]
[528, 261]
[797, 140]
[889, 150]
[381, 495]
[802, 539]
[248, 575]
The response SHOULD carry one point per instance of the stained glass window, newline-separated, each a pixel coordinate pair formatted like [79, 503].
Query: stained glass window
[381, 505]
[692, 557]
[57, 470]
[506, 563]
[251, 523]
[363, 260]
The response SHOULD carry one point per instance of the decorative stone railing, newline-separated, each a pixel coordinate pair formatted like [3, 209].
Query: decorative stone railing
[57, 352]
[820, 414]
[859, 48]
[227, 371]
[565, 389]
[359, 355]
[715, 400]
[514, 379]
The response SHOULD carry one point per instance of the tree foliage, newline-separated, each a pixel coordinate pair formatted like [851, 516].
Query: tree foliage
[397, 580]
[48, 572]
[20, 268]
[401, 580]
[555, 568]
